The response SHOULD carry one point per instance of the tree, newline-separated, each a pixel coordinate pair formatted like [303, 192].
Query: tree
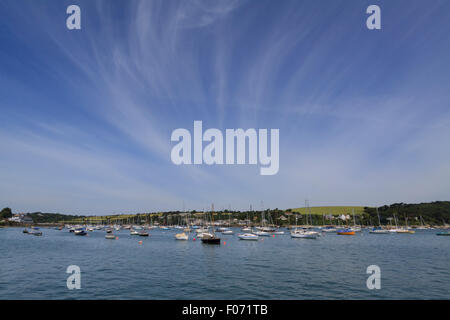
[6, 213]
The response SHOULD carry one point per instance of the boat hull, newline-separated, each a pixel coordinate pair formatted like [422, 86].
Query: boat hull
[211, 240]
[346, 233]
[249, 237]
[303, 236]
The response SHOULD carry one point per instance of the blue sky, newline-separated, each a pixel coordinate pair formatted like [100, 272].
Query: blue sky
[87, 115]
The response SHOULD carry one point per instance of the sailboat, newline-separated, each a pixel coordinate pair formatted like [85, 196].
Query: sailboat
[405, 229]
[183, 235]
[379, 229]
[346, 232]
[263, 230]
[143, 233]
[247, 228]
[248, 236]
[355, 227]
[422, 225]
[303, 234]
[211, 238]
[228, 231]
[80, 232]
[110, 236]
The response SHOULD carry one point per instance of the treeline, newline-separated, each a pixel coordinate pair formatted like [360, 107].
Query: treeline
[40, 217]
[433, 213]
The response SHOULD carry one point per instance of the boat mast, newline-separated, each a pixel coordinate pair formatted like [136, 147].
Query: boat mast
[212, 219]
[379, 221]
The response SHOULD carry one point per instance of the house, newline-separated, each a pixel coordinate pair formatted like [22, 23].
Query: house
[21, 218]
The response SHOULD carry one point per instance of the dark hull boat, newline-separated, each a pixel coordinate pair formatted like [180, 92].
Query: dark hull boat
[209, 238]
[211, 241]
[143, 234]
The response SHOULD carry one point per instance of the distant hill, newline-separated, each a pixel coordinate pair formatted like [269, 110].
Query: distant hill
[434, 213]
[334, 210]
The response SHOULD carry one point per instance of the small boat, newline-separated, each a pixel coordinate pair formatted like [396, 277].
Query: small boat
[248, 236]
[210, 238]
[110, 236]
[304, 234]
[36, 233]
[346, 232]
[181, 236]
[247, 229]
[227, 232]
[444, 233]
[379, 231]
[278, 232]
[108, 230]
[25, 231]
[80, 232]
[329, 229]
[262, 233]
[404, 231]
[143, 233]
[134, 232]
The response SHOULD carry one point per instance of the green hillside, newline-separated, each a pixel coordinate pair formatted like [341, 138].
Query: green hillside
[334, 210]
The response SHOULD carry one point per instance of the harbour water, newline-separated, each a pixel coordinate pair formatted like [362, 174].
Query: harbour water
[413, 266]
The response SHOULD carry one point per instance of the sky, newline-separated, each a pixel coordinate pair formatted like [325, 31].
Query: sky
[87, 115]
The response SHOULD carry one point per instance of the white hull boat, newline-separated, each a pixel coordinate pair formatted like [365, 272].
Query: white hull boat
[248, 236]
[181, 236]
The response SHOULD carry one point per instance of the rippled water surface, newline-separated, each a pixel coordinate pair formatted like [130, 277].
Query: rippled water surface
[413, 266]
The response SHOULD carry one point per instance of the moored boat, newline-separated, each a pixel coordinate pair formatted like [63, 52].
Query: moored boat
[346, 232]
[80, 232]
[181, 236]
[304, 234]
[210, 238]
[248, 236]
[379, 231]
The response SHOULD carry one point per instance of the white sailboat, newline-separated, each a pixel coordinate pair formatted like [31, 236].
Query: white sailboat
[248, 236]
[183, 236]
[301, 233]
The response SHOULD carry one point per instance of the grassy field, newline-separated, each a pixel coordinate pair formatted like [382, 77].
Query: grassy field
[124, 218]
[334, 210]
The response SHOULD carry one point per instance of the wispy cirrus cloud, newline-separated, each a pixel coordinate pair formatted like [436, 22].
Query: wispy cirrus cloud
[88, 114]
